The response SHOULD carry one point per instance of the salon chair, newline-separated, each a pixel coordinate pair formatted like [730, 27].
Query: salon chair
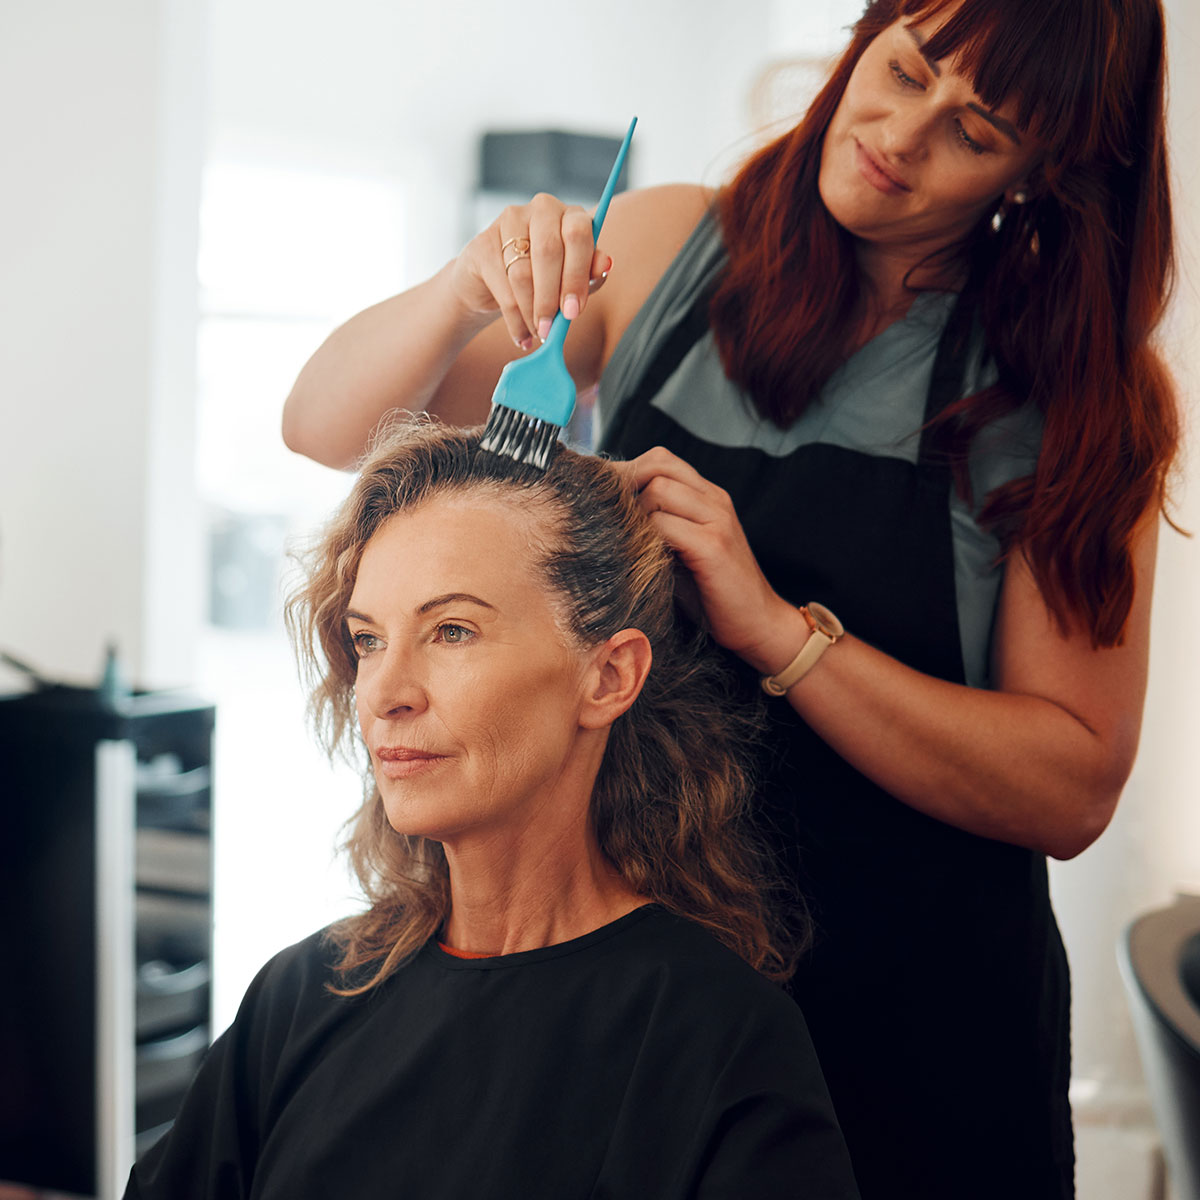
[1159, 957]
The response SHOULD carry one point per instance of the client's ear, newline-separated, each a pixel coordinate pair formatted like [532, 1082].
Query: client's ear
[619, 668]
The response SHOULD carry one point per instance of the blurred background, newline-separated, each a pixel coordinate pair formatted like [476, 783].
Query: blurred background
[197, 191]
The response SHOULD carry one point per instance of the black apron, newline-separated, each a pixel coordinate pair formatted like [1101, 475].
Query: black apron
[936, 989]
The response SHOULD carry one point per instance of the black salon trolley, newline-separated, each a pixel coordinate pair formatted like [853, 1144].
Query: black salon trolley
[106, 890]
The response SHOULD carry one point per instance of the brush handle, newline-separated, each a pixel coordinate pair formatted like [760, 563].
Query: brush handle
[558, 327]
[611, 185]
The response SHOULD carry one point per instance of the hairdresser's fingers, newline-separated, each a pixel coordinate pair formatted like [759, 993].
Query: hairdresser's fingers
[514, 281]
[528, 249]
[667, 483]
[703, 525]
[744, 613]
[697, 519]
[579, 252]
[548, 250]
[479, 278]
[532, 260]
[710, 559]
[601, 265]
[659, 461]
[704, 531]
[708, 505]
[519, 251]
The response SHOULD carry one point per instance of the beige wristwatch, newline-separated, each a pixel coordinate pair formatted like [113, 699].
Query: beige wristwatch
[824, 630]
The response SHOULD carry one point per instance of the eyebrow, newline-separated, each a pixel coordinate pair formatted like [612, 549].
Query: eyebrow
[997, 122]
[430, 605]
[454, 598]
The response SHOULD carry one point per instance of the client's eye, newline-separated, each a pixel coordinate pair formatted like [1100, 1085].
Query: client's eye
[454, 634]
[365, 643]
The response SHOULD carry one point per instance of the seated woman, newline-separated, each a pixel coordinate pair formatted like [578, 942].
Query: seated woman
[561, 986]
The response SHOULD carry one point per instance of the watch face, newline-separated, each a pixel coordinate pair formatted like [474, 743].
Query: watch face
[825, 621]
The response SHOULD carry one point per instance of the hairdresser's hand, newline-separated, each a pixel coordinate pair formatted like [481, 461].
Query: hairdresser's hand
[558, 268]
[697, 520]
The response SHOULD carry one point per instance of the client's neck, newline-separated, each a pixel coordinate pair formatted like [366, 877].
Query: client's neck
[538, 886]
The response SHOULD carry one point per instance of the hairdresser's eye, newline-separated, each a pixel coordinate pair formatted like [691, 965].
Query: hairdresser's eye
[967, 140]
[365, 643]
[903, 77]
[454, 635]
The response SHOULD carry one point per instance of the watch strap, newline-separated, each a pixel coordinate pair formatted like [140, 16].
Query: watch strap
[821, 636]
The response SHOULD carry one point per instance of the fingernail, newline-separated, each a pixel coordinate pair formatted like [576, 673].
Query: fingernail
[544, 328]
[609, 267]
[571, 307]
[526, 343]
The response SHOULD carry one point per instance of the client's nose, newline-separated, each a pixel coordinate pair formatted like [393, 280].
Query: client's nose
[394, 686]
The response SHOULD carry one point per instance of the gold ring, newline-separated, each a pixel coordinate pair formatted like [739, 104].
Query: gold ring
[520, 244]
[508, 262]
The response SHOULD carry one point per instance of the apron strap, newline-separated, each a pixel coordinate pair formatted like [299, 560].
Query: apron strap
[949, 367]
[672, 352]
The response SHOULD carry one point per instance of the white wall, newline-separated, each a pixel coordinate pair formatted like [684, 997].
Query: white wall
[100, 108]
[1169, 769]
[405, 89]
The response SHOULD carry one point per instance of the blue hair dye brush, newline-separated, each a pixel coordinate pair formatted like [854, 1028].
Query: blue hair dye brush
[535, 395]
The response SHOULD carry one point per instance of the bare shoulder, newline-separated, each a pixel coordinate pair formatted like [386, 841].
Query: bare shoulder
[643, 233]
[669, 210]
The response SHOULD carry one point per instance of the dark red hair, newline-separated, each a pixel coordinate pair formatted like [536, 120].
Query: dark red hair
[1070, 284]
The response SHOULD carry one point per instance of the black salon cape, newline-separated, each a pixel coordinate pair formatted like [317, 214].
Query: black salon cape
[641, 1060]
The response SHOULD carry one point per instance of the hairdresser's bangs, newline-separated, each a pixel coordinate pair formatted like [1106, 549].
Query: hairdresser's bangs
[1016, 49]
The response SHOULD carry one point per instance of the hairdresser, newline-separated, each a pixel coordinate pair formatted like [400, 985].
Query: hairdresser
[891, 397]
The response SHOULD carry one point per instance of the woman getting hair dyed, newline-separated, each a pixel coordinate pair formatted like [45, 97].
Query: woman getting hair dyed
[562, 982]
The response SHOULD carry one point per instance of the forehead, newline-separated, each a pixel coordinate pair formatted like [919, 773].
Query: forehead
[485, 535]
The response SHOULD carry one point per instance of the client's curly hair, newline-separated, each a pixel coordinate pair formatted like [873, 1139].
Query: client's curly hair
[670, 804]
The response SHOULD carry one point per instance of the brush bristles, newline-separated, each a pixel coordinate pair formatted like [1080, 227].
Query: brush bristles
[518, 436]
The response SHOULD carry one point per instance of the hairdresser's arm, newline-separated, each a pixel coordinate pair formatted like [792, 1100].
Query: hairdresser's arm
[1040, 761]
[440, 346]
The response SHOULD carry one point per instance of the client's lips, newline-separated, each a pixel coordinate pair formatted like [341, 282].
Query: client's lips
[397, 762]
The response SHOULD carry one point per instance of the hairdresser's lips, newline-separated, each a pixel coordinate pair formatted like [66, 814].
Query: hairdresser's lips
[874, 173]
[403, 762]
